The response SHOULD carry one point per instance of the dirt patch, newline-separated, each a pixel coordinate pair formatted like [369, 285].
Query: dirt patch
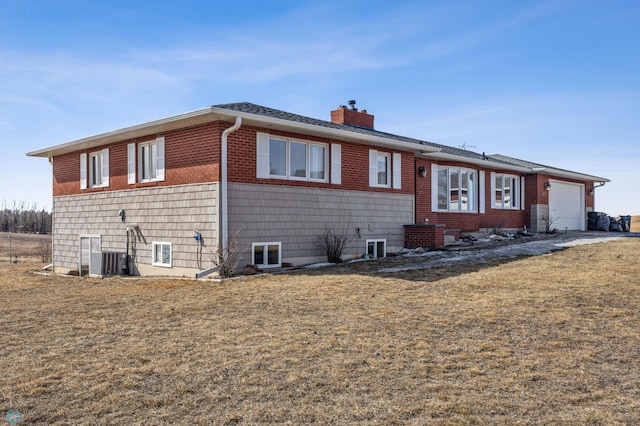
[538, 340]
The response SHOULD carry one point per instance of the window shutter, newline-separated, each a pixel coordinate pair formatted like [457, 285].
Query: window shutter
[481, 190]
[262, 155]
[373, 167]
[131, 163]
[160, 173]
[523, 195]
[397, 170]
[105, 167]
[83, 171]
[336, 163]
[434, 187]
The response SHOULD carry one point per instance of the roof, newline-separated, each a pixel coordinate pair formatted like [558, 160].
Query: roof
[554, 171]
[276, 119]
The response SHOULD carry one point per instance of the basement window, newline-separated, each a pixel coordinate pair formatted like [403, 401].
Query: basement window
[267, 255]
[162, 254]
[376, 248]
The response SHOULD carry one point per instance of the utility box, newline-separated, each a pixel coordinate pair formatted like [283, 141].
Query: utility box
[124, 264]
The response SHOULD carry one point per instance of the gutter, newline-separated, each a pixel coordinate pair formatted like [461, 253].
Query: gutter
[488, 163]
[224, 216]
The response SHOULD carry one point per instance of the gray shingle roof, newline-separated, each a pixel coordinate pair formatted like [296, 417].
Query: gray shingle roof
[250, 108]
[495, 160]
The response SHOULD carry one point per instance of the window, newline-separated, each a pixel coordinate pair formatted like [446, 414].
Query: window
[296, 160]
[383, 169]
[98, 169]
[454, 189]
[381, 166]
[266, 255]
[376, 248]
[506, 191]
[95, 169]
[150, 161]
[162, 254]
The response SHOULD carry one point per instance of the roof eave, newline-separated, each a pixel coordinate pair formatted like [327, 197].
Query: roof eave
[156, 126]
[488, 163]
[574, 175]
[209, 114]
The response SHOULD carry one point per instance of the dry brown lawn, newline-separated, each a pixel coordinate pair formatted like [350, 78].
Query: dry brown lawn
[546, 340]
[26, 247]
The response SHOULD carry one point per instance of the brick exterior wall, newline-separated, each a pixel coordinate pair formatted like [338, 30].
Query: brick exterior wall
[344, 115]
[242, 157]
[465, 221]
[428, 236]
[192, 155]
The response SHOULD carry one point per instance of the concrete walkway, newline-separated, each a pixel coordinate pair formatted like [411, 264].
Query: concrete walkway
[511, 250]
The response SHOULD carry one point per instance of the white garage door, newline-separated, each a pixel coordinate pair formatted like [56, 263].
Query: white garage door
[566, 205]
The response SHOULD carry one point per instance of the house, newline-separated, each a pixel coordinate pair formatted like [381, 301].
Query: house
[159, 197]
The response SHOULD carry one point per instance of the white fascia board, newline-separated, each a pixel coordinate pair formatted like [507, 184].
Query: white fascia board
[574, 175]
[344, 135]
[169, 123]
[488, 164]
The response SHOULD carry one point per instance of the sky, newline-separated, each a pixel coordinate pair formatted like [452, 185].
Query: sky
[554, 82]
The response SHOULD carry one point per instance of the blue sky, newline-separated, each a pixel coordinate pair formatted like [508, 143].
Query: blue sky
[554, 82]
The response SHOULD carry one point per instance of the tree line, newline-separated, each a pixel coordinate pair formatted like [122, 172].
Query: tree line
[20, 216]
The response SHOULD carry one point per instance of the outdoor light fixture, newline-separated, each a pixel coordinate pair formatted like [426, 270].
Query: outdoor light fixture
[547, 186]
[422, 171]
[590, 191]
[121, 213]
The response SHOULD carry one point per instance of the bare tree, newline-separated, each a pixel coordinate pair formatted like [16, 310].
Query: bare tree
[20, 217]
[227, 259]
[333, 242]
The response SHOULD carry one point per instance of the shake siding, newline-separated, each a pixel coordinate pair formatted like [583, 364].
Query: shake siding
[297, 216]
[168, 214]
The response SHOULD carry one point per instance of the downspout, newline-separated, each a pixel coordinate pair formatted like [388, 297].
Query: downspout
[415, 191]
[53, 240]
[594, 194]
[224, 220]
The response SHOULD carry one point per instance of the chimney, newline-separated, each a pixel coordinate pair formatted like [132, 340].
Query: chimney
[351, 115]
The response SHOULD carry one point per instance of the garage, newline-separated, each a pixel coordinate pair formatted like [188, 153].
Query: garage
[566, 205]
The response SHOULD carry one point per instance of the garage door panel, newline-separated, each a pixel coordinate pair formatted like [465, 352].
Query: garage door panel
[566, 206]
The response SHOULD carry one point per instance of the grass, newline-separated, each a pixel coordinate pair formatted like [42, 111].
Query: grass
[24, 247]
[546, 340]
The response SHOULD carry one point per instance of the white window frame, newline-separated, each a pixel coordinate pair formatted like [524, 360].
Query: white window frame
[289, 175]
[393, 172]
[387, 175]
[98, 178]
[265, 248]
[159, 262]
[515, 191]
[151, 164]
[375, 242]
[473, 189]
